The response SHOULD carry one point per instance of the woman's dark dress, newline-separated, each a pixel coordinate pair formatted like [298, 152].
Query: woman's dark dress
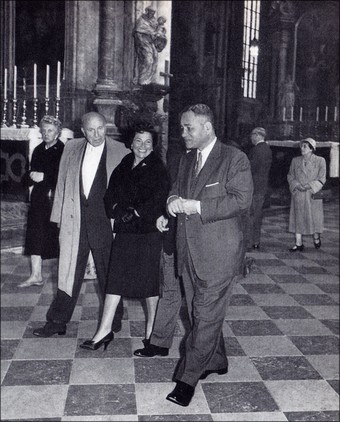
[42, 235]
[135, 254]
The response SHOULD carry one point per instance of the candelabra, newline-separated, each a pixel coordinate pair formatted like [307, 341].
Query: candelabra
[35, 108]
[14, 116]
[47, 100]
[57, 105]
[4, 117]
[23, 118]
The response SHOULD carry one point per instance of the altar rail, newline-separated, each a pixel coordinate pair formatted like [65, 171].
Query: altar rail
[333, 152]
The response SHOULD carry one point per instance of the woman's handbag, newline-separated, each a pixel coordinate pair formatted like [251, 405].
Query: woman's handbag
[318, 195]
[322, 194]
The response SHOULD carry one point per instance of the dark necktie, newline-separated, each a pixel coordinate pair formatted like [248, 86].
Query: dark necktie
[198, 164]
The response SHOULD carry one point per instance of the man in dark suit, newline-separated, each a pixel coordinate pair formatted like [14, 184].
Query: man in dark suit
[213, 187]
[260, 157]
[78, 208]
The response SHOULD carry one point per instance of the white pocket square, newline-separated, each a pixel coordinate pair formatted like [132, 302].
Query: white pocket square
[212, 184]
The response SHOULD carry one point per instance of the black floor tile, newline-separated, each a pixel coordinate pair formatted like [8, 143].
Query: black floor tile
[87, 400]
[8, 348]
[289, 255]
[254, 328]
[285, 368]
[19, 313]
[316, 345]
[286, 312]
[234, 397]
[175, 418]
[288, 278]
[329, 288]
[269, 262]
[312, 416]
[262, 288]
[38, 372]
[310, 270]
[241, 300]
[318, 299]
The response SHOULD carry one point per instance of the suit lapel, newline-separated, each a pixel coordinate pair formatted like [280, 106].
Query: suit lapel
[189, 171]
[76, 162]
[209, 166]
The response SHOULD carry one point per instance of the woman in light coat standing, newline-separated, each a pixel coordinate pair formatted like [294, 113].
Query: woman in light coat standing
[306, 176]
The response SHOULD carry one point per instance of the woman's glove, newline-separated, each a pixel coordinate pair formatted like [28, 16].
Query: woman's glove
[129, 215]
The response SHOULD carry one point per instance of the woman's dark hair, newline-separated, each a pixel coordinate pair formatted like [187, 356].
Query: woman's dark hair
[140, 127]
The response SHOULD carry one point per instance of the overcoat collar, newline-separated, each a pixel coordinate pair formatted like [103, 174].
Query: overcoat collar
[78, 154]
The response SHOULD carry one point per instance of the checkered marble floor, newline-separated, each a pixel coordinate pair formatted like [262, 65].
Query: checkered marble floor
[281, 333]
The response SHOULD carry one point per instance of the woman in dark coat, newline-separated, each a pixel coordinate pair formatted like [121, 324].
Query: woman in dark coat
[42, 235]
[135, 198]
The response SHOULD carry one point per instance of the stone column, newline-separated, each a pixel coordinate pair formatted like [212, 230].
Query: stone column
[110, 61]
[285, 37]
[274, 76]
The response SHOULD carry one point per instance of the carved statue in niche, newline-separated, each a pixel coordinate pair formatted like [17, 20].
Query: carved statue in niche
[150, 38]
[287, 93]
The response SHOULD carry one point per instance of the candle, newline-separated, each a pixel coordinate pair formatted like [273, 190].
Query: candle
[284, 114]
[58, 79]
[335, 113]
[317, 114]
[300, 114]
[35, 80]
[292, 114]
[5, 85]
[326, 113]
[47, 92]
[15, 83]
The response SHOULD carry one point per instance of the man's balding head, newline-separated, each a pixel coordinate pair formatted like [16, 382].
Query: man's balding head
[93, 126]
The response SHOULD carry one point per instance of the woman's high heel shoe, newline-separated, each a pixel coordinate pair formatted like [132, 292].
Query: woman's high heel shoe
[317, 243]
[91, 345]
[297, 248]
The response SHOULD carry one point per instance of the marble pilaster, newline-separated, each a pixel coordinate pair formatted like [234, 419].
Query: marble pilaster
[110, 61]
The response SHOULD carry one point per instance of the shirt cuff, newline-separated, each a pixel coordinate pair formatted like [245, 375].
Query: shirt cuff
[198, 207]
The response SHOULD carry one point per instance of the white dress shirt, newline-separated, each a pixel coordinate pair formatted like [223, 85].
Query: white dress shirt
[91, 161]
[206, 151]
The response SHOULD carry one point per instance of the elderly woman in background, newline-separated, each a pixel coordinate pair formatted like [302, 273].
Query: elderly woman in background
[135, 198]
[306, 176]
[42, 235]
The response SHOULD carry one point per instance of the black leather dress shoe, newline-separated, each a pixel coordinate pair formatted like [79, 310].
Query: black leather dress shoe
[217, 371]
[150, 350]
[49, 329]
[182, 394]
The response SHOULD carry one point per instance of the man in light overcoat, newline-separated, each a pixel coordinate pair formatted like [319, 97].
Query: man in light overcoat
[78, 208]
